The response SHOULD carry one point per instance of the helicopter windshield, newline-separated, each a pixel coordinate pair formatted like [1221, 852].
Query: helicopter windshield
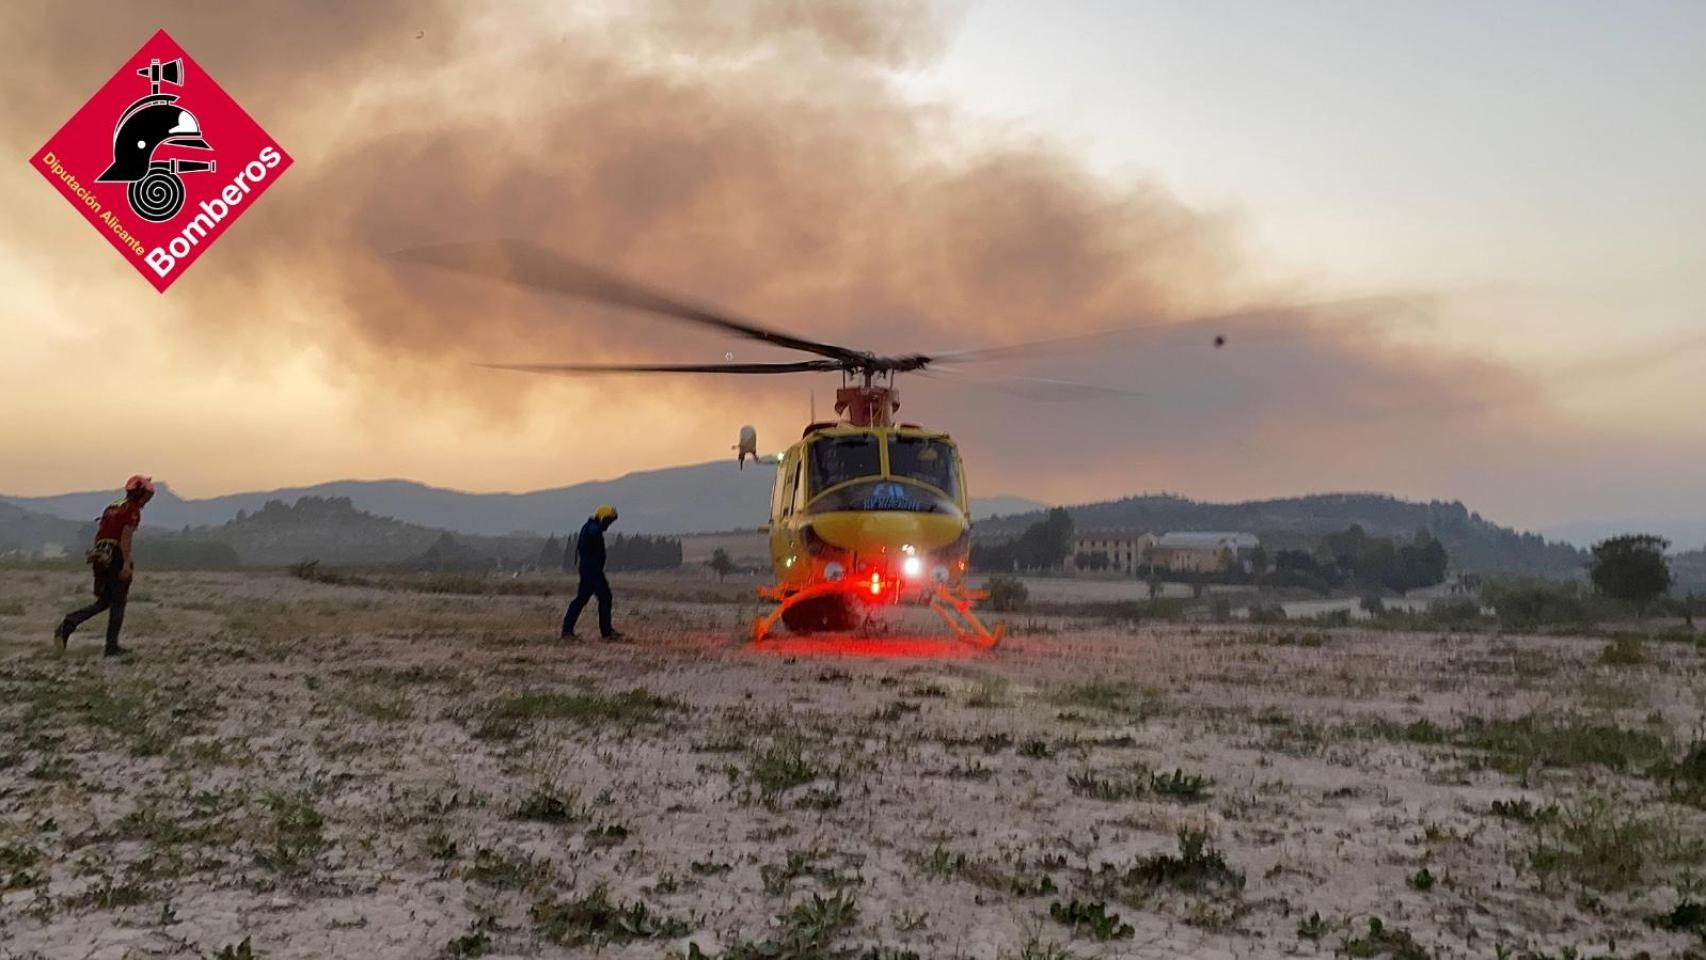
[837, 460]
[925, 460]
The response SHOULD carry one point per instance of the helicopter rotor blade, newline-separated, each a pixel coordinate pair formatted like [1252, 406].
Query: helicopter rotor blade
[1258, 323]
[796, 366]
[528, 264]
[1040, 389]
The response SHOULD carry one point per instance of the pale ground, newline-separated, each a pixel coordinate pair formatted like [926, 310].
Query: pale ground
[355, 773]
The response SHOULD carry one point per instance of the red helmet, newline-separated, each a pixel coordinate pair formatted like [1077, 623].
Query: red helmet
[139, 484]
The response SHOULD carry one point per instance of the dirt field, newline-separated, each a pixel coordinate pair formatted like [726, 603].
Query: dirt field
[347, 772]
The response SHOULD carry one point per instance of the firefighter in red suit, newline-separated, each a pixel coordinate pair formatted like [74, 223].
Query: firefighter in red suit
[111, 560]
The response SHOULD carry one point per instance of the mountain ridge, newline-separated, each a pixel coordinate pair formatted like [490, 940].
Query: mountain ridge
[1475, 544]
[697, 498]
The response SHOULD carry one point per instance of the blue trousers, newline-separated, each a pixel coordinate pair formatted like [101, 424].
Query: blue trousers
[591, 585]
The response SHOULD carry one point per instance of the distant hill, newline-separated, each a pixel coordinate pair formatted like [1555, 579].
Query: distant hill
[1688, 571]
[1684, 535]
[29, 534]
[704, 498]
[1475, 545]
[333, 531]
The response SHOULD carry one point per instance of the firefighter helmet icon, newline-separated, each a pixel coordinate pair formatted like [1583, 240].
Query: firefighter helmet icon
[156, 193]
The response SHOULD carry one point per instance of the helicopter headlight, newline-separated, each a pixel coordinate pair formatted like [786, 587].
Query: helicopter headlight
[939, 573]
[833, 571]
[912, 567]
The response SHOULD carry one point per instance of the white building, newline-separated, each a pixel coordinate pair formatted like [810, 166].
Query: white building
[1201, 552]
[1125, 550]
[1131, 553]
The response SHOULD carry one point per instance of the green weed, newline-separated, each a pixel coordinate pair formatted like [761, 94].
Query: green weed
[1091, 917]
[596, 919]
[1522, 810]
[296, 832]
[1187, 788]
[476, 942]
[780, 767]
[1197, 866]
[545, 806]
[1087, 784]
[1689, 915]
[1594, 846]
[807, 932]
[633, 707]
[1381, 941]
[240, 951]
[503, 872]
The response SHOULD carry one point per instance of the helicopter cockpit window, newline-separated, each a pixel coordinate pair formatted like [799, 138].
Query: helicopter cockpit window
[840, 459]
[925, 460]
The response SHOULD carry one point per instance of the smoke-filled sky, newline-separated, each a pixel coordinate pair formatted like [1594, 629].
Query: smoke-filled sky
[1498, 213]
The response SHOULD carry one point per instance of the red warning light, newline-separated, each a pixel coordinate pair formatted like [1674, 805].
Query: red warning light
[876, 584]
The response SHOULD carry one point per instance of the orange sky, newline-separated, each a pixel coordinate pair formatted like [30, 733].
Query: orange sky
[775, 158]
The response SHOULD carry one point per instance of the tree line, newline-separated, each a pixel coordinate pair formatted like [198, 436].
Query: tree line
[1349, 558]
[621, 552]
[1353, 558]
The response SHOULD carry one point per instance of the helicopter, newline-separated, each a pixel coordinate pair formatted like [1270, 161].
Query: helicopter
[867, 511]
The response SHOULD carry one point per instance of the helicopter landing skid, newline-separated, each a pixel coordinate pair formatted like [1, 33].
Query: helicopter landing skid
[955, 611]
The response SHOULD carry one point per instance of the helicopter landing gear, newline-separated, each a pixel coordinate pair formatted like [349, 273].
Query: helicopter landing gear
[819, 615]
[813, 608]
[955, 611]
[823, 607]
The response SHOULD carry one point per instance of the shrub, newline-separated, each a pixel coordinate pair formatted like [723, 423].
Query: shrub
[1595, 846]
[1455, 613]
[1221, 609]
[1523, 604]
[1625, 650]
[1007, 594]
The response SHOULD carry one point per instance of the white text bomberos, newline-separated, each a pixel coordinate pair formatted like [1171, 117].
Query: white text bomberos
[165, 259]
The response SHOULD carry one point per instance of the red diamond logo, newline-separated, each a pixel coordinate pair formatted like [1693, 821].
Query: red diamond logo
[161, 161]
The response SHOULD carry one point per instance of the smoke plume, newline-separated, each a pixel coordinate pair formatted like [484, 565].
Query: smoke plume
[758, 155]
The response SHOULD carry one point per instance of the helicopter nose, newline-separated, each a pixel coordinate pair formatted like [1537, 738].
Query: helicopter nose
[873, 531]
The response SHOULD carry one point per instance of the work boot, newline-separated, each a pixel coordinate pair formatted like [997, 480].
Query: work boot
[114, 650]
[615, 636]
[60, 635]
[569, 638]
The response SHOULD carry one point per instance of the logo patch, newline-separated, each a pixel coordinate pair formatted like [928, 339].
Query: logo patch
[161, 161]
[891, 496]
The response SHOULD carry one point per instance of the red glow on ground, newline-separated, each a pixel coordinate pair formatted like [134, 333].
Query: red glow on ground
[833, 646]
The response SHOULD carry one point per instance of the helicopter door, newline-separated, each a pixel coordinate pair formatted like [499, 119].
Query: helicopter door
[791, 488]
[778, 494]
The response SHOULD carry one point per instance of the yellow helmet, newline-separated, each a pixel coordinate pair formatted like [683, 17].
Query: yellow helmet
[605, 512]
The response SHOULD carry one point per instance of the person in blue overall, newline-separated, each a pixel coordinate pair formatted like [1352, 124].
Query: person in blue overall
[589, 558]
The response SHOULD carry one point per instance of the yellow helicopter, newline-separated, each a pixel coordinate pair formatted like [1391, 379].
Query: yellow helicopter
[866, 511]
